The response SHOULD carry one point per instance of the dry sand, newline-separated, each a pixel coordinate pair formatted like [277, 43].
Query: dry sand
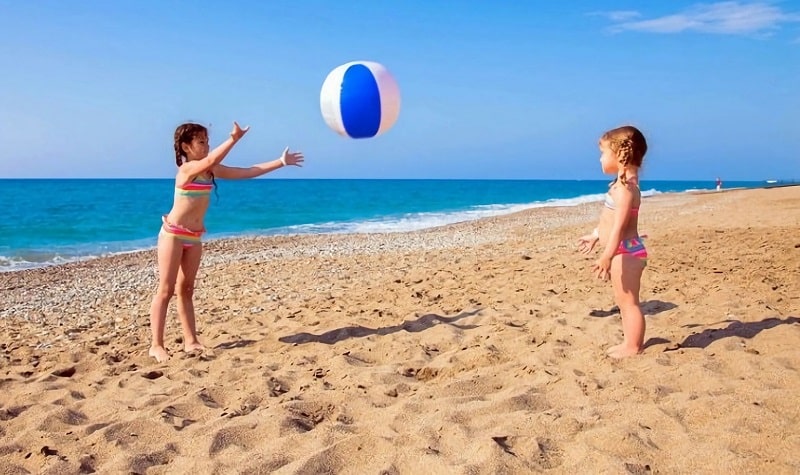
[476, 348]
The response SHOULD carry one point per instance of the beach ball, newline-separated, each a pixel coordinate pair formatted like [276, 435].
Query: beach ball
[360, 99]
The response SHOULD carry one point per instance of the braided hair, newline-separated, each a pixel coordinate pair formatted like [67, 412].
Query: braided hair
[184, 134]
[628, 145]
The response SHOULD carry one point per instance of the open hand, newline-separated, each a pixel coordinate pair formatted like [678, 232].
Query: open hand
[292, 158]
[586, 243]
[238, 132]
[602, 268]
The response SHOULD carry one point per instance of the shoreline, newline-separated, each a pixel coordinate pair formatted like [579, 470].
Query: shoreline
[249, 238]
[245, 236]
[226, 251]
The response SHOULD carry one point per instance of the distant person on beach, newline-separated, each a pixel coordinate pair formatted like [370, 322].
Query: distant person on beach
[179, 241]
[719, 184]
[624, 256]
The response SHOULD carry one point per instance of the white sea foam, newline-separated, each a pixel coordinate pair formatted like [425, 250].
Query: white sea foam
[417, 221]
[36, 258]
[387, 224]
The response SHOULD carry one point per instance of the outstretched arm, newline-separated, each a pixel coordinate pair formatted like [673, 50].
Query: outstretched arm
[216, 156]
[233, 173]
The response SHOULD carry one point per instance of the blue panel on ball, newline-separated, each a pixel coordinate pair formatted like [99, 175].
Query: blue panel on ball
[360, 102]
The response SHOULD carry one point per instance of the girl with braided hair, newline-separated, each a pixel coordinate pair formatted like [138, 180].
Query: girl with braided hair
[624, 256]
[179, 241]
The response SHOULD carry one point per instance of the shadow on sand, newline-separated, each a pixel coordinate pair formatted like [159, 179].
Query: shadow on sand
[735, 328]
[422, 323]
[651, 307]
[228, 345]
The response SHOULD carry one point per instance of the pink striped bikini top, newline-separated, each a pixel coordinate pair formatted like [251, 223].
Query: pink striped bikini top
[199, 186]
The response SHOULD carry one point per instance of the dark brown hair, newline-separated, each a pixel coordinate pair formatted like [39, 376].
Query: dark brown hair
[628, 145]
[184, 134]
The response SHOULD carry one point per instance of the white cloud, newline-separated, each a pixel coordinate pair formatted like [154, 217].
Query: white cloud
[620, 15]
[732, 18]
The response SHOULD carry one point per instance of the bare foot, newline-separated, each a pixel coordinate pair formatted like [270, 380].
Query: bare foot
[196, 346]
[159, 353]
[622, 351]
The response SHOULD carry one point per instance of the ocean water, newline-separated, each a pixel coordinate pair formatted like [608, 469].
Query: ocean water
[52, 221]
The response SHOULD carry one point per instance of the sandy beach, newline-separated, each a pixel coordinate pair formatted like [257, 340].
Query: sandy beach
[476, 348]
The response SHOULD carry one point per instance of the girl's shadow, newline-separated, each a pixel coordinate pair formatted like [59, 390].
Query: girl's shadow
[422, 323]
[735, 328]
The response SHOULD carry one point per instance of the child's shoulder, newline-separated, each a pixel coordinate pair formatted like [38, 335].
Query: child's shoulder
[619, 189]
[630, 186]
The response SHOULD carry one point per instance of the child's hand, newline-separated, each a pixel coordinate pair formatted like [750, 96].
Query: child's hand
[602, 268]
[238, 132]
[292, 158]
[587, 243]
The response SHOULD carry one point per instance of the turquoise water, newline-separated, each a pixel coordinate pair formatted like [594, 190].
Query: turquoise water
[54, 221]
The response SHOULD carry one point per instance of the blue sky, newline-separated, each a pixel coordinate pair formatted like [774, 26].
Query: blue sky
[502, 89]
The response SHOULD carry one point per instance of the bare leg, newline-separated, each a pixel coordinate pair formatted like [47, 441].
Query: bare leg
[626, 275]
[169, 257]
[186, 278]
